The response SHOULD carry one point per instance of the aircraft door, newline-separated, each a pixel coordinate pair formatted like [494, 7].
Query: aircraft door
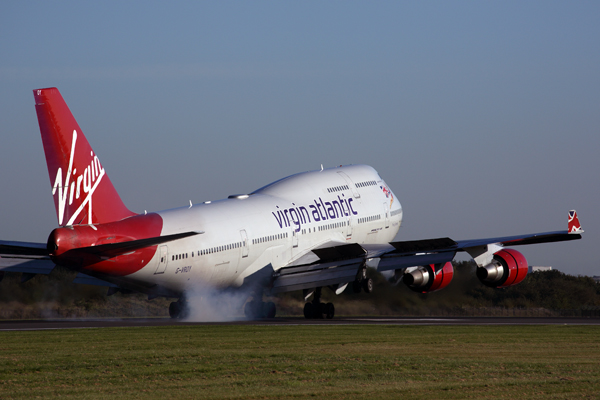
[351, 184]
[349, 226]
[386, 210]
[163, 259]
[294, 238]
[245, 243]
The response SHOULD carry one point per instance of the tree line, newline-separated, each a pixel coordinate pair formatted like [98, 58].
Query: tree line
[56, 295]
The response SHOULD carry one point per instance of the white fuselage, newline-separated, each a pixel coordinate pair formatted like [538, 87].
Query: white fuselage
[275, 225]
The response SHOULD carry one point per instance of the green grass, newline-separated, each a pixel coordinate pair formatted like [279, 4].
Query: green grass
[334, 362]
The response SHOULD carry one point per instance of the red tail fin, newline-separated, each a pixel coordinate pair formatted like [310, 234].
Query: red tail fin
[83, 193]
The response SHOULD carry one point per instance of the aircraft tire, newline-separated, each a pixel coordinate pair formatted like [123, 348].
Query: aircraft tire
[367, 285]
[308, 310]
[329, 310]
[318, 310]
[184, 311]
[174, 309]
[269, 309]
[251, 310]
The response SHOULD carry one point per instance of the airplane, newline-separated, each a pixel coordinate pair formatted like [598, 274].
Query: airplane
[308, 231]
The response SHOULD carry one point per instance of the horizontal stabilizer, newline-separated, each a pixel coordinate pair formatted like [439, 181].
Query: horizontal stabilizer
[25, 257]
[23, 248]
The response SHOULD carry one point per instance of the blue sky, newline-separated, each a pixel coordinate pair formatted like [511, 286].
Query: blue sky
[483, 117]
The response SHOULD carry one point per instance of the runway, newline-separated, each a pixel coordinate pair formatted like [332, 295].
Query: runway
[50, 324]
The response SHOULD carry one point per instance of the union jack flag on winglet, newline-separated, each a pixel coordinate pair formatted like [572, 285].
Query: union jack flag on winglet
[574, 225]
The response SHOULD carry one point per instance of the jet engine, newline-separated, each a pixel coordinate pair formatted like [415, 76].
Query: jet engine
[508, 268]
[425, 279]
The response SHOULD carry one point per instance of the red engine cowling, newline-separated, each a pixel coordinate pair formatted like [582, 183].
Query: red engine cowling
[425, 279]
[508, 268]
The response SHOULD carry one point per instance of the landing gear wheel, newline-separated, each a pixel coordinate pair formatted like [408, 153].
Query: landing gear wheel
[329, 310]
[269, 309]
[356, 286]
[185, 311]
[248, 310]
[318, 309]
[367, 285]
[258, 309]
[179, 309]
[308, 310]
[174, 310]
[252, 309]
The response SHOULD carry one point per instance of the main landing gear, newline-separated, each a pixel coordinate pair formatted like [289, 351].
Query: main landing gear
[317, 310]
[179, 309]
[255, 309]
[362, 282]
[365, 285]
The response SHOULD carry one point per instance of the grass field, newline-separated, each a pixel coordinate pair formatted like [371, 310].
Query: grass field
[283, 362]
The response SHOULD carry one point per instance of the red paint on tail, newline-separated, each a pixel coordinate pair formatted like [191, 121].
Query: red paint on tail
[83, 193]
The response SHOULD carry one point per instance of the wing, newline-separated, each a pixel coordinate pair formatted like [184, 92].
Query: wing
[341, 264]
[336, 264]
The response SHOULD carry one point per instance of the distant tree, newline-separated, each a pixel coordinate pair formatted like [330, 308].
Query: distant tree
[551, 290]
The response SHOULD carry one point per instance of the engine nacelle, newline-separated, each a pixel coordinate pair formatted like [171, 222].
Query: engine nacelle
[508, 268]
[424, 279]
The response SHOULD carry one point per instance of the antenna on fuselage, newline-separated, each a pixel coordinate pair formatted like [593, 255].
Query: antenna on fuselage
[321, 167]
[190, 204]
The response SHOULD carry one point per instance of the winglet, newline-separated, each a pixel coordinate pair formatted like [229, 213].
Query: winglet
[574, 225]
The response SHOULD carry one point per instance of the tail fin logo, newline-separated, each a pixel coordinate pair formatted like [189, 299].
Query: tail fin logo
[73, 186]
[574, 225]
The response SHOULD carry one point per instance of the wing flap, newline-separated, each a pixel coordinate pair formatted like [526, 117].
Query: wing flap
[317, 275]
[392, 261]
[343, 252]
[423, 246]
